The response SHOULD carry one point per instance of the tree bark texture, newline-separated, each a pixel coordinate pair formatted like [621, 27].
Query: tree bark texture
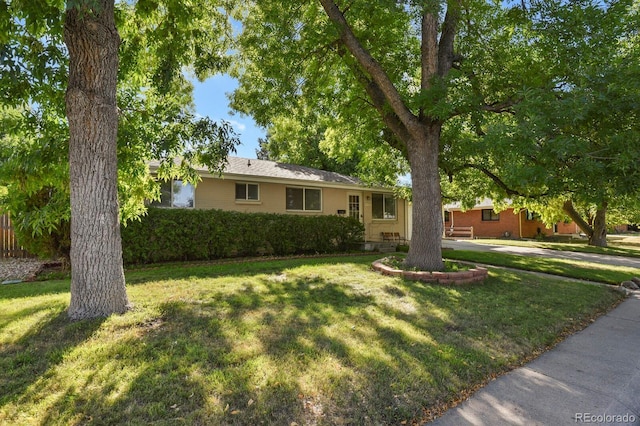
[425, 250]
[597, 233]
[97, 275]
[599, 236]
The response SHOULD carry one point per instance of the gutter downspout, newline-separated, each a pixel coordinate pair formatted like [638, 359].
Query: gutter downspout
[520, 223]
[407, 206]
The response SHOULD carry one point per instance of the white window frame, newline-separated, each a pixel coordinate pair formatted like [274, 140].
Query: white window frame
[384, 206]
[247, 199]
[304, 198]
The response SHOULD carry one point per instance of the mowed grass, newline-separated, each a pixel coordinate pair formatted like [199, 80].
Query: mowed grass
[615, 248]
[304, 341]
[589, 271]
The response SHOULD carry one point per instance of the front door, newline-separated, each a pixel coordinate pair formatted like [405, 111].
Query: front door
[354, 206]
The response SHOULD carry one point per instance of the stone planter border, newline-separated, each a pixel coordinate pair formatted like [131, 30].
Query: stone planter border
[474, 275]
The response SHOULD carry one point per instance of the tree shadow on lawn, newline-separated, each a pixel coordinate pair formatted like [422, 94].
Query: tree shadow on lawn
[158, 375]
[347, 347]
[389, 358]
[239, 358]
[183, 367]
[33, 289]
[252, 267]
[42, 348]
[305, 350]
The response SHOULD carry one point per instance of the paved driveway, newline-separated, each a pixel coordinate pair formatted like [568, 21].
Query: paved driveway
[539, 252]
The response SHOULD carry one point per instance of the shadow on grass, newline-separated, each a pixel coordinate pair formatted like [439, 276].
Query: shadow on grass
[302, 348]
[40, 349]
[156, 376]
[306, 332]
[175, 271]
[226, 359]
[32, 289]
[248, 268]
[185, 368]
[273, 354]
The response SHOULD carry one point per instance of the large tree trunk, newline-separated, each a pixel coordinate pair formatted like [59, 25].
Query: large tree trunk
[97, 276]
[420, 134]
[599, 236]
[597, 233]
[425, 250]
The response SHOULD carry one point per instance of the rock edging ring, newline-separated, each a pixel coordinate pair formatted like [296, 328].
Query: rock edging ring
[474, 275]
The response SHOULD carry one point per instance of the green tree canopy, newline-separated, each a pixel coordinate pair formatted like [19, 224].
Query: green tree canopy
[536, 101]
[389, 76]
[164, 45]
[569, 147]
[117, 73]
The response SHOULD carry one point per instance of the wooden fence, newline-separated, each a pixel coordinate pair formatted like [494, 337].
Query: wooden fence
[9, 247]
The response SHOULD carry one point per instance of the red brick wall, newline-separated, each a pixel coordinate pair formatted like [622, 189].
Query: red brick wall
[531, 228]
[508, 223]
[568, 228]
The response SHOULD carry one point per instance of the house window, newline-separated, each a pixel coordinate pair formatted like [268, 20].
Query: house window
[175, 193]
[383, 206]
[447, 216]
[532, 216]
[247, 192]
[488, 215]
[306, 199]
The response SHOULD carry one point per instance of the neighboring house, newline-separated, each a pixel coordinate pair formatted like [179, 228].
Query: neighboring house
[260, 186]
[487, 223]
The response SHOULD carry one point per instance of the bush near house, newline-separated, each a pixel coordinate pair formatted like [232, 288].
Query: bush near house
[51, 243]
[174, 235]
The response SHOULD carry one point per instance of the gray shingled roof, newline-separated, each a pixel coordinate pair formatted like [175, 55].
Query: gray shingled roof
[272, 169]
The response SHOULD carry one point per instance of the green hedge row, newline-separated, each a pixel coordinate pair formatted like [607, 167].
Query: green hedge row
[181, 234]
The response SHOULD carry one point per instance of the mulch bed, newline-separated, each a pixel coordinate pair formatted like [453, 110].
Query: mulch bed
[25, 269]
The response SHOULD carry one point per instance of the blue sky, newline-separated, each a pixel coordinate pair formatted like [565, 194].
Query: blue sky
[211, 100]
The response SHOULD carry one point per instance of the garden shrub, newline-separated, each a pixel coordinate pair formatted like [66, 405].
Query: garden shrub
[52, 244]
[165, 235]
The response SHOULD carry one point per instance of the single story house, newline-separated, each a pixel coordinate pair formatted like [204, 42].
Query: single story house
[487, 223]
[261, 186]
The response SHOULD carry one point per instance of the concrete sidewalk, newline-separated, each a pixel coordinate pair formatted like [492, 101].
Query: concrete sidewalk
[591, 377]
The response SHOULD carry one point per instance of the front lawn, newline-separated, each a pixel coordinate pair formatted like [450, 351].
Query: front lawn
[300, 341]
[615, 248]
[589, 271]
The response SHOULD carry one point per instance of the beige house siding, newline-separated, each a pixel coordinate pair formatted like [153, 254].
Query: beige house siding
[221, 194]
[375, 227]
[216, 193]
[272, 178]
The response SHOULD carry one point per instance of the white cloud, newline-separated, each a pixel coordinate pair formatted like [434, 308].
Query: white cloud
[237, 125]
